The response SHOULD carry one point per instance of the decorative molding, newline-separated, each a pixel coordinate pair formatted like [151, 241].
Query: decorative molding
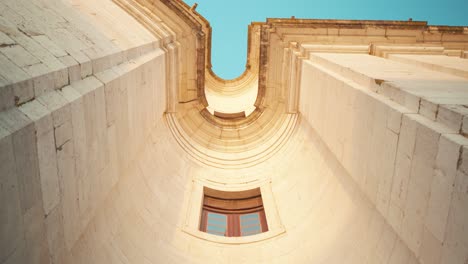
[384, 50]
[193, 214]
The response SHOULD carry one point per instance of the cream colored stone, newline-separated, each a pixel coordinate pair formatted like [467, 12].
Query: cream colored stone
[112, 86]
[451, 116]
[49, 45]
[455, 244]
[10, 71]
[48, 171]
[36, 250]
[70, 208]
[442, 184]
[19, 56]
[447, 64]
[428, 109]
[55, 235]
[401, 177]
[74, 71]
[400, 253]
[431, 248]
[86, 66]
[57, 105]
[419, 185]
[104, 146]
[11, 217]
[40, 115]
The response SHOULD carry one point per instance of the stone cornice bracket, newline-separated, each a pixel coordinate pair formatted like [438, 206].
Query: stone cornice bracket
[265, 32]
[292, 72]
[201, 49]
[172, 76]
[168, 43]
[192, 19]
[148, 14]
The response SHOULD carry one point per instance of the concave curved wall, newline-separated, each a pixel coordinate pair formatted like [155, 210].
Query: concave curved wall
[92, 173]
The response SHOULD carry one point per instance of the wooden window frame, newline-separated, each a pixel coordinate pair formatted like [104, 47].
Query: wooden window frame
[233, 205]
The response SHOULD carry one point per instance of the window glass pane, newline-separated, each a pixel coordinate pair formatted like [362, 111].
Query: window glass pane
[216, 224]
[250, 224]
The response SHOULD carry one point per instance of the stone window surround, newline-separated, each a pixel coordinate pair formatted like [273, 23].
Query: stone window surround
[194, 212]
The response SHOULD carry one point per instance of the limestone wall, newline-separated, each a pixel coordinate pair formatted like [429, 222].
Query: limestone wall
[82, 86]
[373, 170]
[324, 214]
[374, 115]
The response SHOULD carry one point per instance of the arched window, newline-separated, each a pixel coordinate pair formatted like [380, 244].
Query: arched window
[233, 214]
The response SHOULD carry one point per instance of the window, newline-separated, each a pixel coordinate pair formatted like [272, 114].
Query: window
[233, 214]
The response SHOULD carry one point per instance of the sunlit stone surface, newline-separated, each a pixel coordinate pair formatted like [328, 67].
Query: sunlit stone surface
[112, 122]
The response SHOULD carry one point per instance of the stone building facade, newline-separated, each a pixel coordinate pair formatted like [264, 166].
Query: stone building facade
[113, 126]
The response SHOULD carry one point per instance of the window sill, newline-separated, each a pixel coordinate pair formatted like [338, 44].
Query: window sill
[193, 209]
[234, 240]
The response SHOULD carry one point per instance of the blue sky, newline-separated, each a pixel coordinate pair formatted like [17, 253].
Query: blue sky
[229, 19]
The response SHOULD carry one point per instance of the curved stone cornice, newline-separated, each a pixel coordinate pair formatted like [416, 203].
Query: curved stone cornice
[223, 137]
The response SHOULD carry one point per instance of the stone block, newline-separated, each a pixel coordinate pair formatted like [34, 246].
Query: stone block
[57, 105]
[37, 250]
[114, 172]
[10, 71]
[70, 94]
[112, 87]
[27, 167]
[61, 78]
[101, 122]
[55, 236]
[22, 91]
[442, 184]
[386, 171]
[458, 217]
[49, 45]
[413, 259]
[25, 152]
[131, 53]
[13, 120]
[408, 100]
[48, 171]
[394, 118]
[117, 58]
[404, 157]
[86, 66]
[463, 162]
[464, 130]
[43, 84]
[431, 249]
[70, 199]
[147, 48]
[400, 253]
[449, 116]
[387, 241]
[19, 255]
[7, 99]
[63, 134]
[11, 216]
[74, 70]
[455, 247]
[5, 40]
[419, 185]
[428, 109]
[87, 85]
[79, 130]
[40, 115]
[54, 66]
[18, 55]
[101, 61]
[395, 216]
